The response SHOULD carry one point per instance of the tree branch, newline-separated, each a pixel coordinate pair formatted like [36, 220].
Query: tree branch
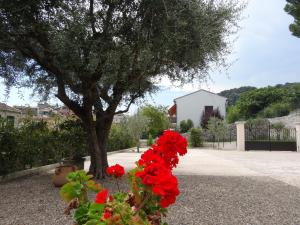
[61, 95]
[133, 98]
[92, 17]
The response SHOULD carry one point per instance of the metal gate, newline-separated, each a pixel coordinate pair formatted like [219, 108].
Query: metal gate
[265, 136]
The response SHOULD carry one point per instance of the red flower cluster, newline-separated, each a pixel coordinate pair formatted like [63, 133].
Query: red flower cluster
[168, 147]
[116, 171]
[157, 164]
[101, 197]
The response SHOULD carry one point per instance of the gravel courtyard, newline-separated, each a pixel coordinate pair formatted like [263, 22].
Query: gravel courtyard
[217, 187]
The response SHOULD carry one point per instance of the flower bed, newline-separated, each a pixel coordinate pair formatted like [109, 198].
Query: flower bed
[153, 188]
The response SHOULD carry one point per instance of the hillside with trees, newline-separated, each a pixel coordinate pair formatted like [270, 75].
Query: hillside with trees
[267, 102]
[234, 94]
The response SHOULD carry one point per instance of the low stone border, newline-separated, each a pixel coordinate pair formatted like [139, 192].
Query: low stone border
[38, 170]
[29, 172]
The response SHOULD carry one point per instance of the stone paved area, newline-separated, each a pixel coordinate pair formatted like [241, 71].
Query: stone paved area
[217, 187]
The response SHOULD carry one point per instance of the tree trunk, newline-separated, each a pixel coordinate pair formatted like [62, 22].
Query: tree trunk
[102, 129]
[96, 167]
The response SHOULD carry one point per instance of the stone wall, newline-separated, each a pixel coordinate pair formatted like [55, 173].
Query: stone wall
[288, 121]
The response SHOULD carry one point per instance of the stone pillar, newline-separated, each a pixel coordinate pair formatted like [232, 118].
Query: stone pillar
[298, 136]
[240, 135]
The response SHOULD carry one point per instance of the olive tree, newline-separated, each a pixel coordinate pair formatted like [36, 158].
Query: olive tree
[99, 56]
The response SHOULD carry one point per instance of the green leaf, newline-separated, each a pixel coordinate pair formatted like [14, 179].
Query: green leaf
[81, 214]
[120, 196]
[70, 191]
[95, 222]
[96, 209]
[92, 185]
[73, 176]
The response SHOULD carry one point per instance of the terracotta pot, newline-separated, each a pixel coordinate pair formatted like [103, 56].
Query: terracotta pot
[78, 162]
[61, 172]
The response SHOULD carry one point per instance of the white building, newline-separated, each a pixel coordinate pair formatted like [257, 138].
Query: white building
[194, 105]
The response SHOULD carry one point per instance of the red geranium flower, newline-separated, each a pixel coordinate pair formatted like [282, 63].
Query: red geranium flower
[101, 197]
[116, 170]
[157, 164]
[106, 215]
[162, 181]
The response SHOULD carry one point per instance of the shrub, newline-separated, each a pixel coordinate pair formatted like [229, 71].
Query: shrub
[72, 138]
[276, 110]
[205, 117]
[119, 138]
[157, 119]
[35, 144]
[189, 124]
[196, 137]
[183, 126]
[233, 114]
[150, 140]
[186, 125]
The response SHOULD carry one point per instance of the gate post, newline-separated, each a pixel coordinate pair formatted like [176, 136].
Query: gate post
[298, 136]
[240, 135]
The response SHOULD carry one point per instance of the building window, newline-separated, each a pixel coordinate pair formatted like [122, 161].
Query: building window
[209, 110]
[11, 121]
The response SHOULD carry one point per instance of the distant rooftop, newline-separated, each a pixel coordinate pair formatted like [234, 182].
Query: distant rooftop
[4, 107]
[199, 91]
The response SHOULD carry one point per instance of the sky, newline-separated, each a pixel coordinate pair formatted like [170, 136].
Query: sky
[264, 53]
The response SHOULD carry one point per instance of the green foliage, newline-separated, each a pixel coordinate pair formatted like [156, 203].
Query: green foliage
[217, 128]
[206, 116]
[137, 125]
[186, 125]
[276, 110]
[120, 138]
[189, 124]
[32, 144]
[35, 144]
[293, 8]
[98, 56]
[266, 102]
[233, 114]
[150, 140]
[234, 94]
[183, 126]
[158, 120]
[278, 126]
[196, 137]
[73, 138]
[77, 187]
[75, 193]
[81, 214]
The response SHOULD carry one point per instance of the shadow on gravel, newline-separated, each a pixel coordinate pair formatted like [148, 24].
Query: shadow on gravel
[204, 200]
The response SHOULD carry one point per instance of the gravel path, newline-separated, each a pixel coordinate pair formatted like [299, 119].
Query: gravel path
[207, 200]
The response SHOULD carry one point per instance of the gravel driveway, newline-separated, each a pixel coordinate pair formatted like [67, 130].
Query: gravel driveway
[215, 196]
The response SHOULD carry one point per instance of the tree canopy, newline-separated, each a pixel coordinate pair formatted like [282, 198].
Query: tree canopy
[293, 8]
[98, 55]
[234, 94]
[158, 120]
[266, 102]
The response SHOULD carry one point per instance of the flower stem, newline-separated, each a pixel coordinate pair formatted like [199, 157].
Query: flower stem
[142, 204]
[118, 184]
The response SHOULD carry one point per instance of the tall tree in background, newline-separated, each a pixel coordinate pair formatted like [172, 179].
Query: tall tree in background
[158, 119]
[293, 8]
[97, 56]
